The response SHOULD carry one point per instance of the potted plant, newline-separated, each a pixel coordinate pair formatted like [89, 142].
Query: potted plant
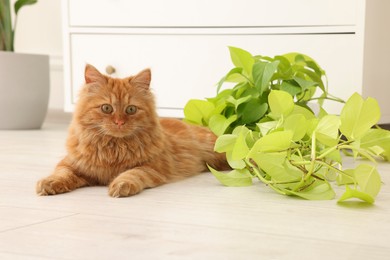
[268, 131]
[24, 78]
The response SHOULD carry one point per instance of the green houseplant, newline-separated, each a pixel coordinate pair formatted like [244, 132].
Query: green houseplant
[7, 31]
[24, 78]
[268, 131]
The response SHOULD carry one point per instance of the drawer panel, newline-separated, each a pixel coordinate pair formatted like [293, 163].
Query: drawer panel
[215, 13]
[189, 66]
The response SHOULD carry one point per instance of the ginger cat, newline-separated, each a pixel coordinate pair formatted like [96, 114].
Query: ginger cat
[117, 139]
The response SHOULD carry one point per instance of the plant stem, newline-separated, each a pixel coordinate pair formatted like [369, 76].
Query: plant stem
[313, 156]
[328, 98]
[258, 175]
[340, 146]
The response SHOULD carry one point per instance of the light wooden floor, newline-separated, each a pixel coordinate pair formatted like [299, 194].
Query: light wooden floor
[193, 219]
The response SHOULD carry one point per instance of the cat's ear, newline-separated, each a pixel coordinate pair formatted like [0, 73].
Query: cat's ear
[92, 75]
[142, 79]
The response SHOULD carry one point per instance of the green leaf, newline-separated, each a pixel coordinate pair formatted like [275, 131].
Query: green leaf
[327, 130]
[272, 142]
[275, 166]
[239, 129]
[281, 103]
[346, 178]
[368, 179]
[353, 193]
[297, 124]
[266, 127]
[322, 113]
[358, 116]
[235, 73]
[305, 84]
[299, 110]
[306, 96]
[284, 68]
[235, 164]
[304, 60]
[252, 111]
[237, 102]
[220, 99]
[292, 88]
[368, 183]
[20, 3]
[377, 137]
[242, 59]
[315, 78]
[219, 124]
[334, 155]
[240, 149]
[235, 178]
[312, 125]
[198, 111]
[262, 74]
[225, 143]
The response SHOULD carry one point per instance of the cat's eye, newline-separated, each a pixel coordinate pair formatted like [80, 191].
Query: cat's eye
[130, 110]
[107, 109]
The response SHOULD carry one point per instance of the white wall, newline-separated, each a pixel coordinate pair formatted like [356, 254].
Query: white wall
[39, 30]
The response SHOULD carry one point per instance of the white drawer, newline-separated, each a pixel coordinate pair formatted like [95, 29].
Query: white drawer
[212, 13]
[188, 66]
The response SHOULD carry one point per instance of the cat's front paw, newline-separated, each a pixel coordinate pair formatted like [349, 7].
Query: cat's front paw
[123, 188]
[51, 186]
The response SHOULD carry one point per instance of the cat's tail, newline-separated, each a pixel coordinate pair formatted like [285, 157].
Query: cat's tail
[218, 162]
[214, 159]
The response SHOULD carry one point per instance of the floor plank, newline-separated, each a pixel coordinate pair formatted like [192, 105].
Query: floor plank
[196, 218]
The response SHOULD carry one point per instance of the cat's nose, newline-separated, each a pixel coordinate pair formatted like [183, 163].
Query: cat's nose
[119, 122]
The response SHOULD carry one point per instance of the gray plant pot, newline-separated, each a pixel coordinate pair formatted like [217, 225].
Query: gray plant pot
[24, 90]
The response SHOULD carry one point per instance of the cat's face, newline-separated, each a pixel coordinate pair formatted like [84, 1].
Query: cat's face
[116, 107]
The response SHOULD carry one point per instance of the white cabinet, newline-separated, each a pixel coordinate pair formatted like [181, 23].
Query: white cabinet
[185, 42]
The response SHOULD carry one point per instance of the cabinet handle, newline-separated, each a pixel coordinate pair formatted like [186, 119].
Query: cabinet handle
[110, 70]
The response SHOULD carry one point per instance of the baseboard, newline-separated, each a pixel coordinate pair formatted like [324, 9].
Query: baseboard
[58, 116]
[56, 63]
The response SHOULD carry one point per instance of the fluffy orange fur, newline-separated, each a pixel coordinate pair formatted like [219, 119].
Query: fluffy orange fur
[117, 139]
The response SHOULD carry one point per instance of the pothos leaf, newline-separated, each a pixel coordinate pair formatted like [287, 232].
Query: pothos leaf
[328, 129]
[275, 166]
[272, 142]
[358, 116]
[353, 193]
[198, 111]
[281, 103]
[242, 59]
[297, 124]
[377, 137]
[262, 74]
[345, 178]
[219, 123]
[225, 143]
[368, 179]
[240, 149]
[252, 111]
[231, 76]
[235, 164]
[368, 184]
[234, 178]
